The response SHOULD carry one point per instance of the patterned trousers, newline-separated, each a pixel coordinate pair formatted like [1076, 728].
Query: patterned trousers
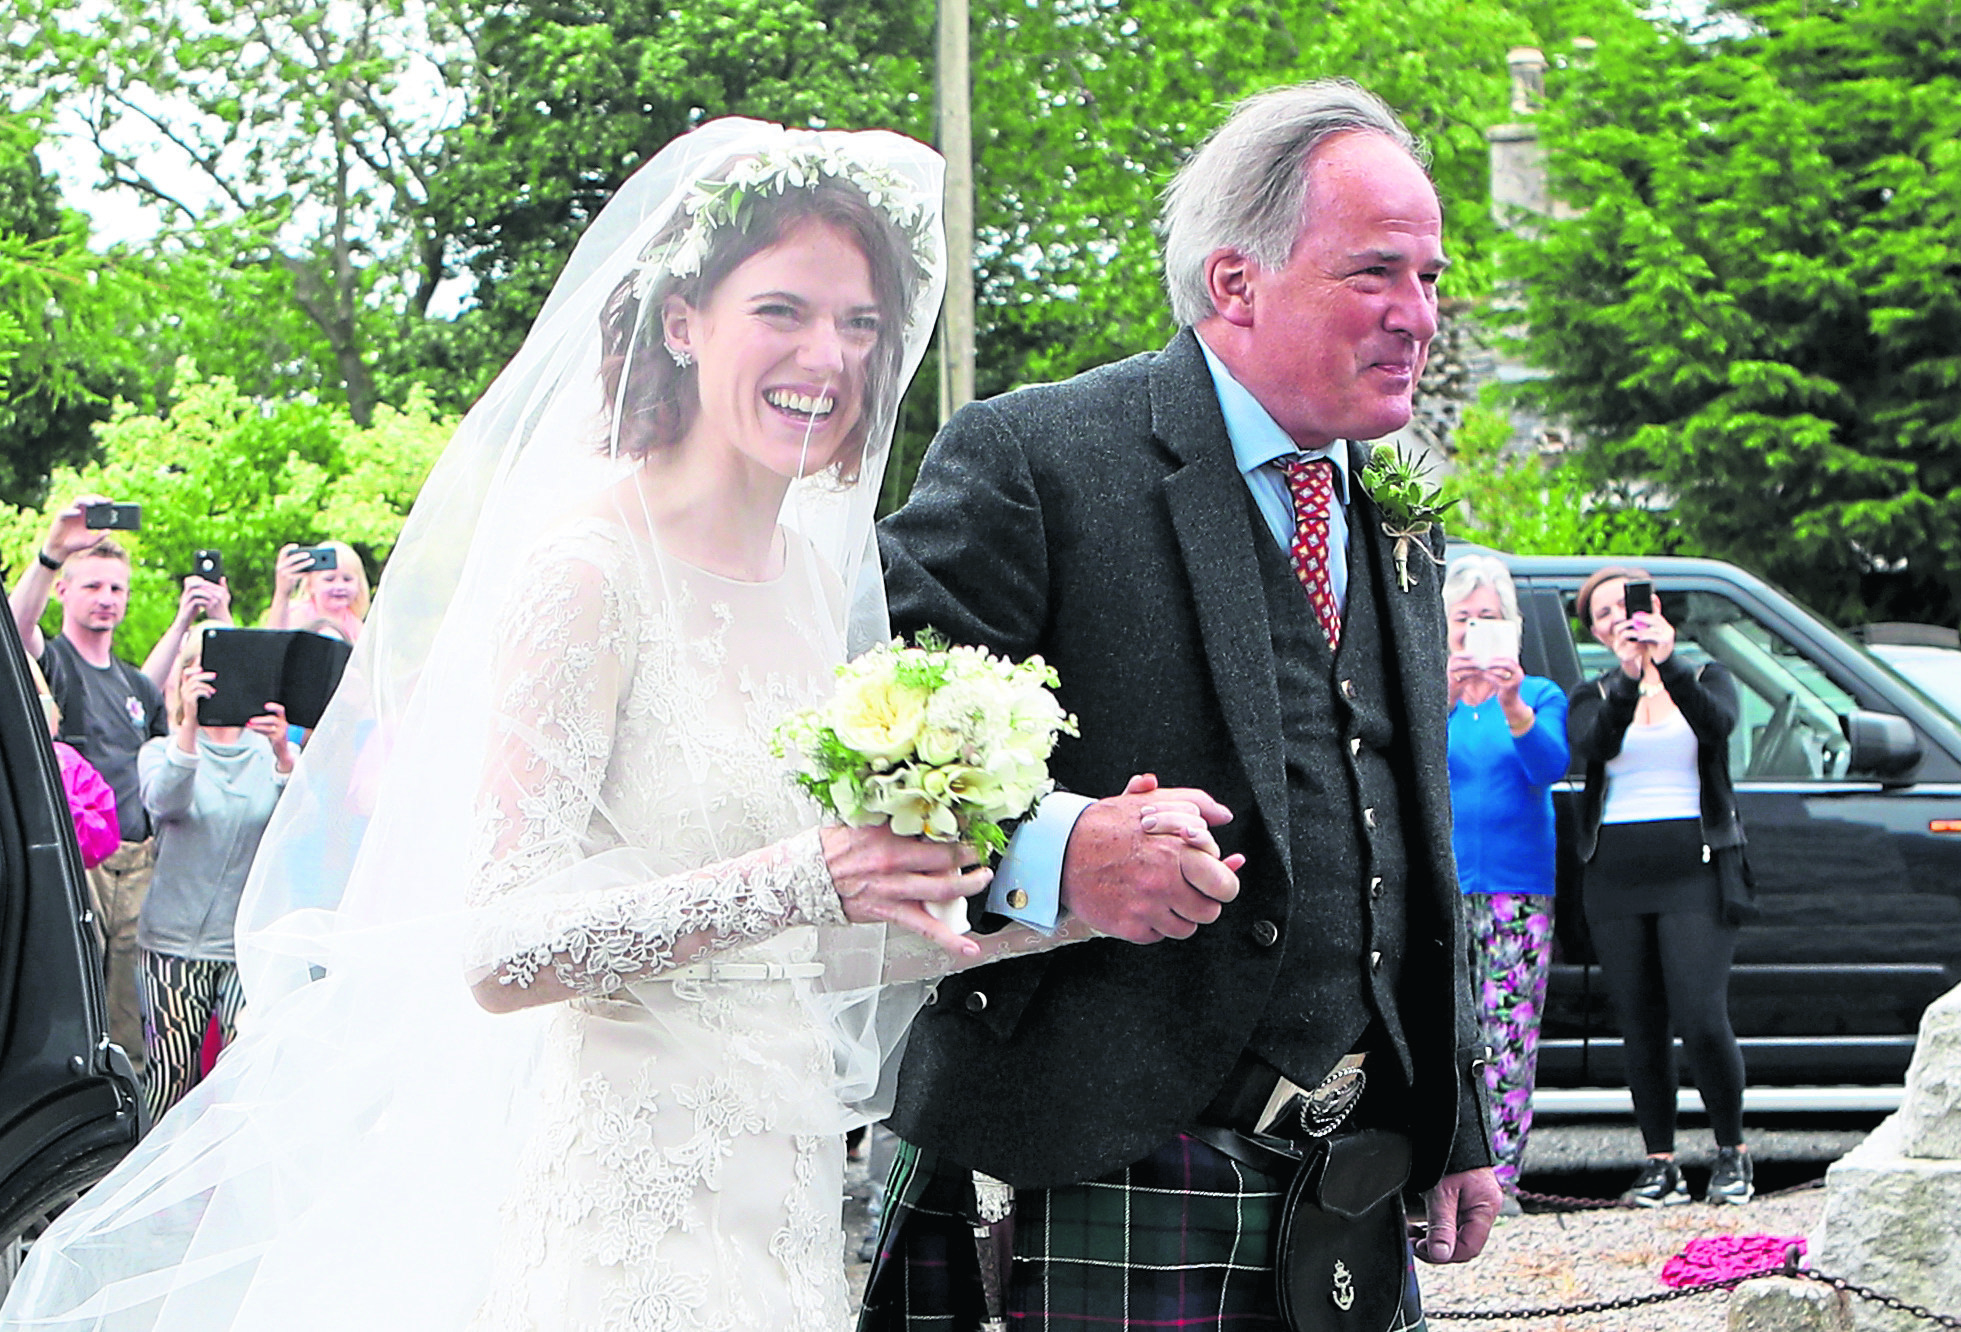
[180, 997]
[119, 885]
[1511, 955]
[1182, 1239]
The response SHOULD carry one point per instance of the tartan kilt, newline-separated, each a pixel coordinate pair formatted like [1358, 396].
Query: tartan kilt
[1181, 1239]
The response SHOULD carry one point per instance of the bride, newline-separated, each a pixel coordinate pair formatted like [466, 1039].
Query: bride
[559, 996]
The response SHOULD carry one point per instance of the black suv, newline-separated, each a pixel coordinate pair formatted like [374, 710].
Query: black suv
[1849, 782]
[69, 1107]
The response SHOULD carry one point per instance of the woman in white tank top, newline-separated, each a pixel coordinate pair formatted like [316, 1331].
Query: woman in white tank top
[1657, 811]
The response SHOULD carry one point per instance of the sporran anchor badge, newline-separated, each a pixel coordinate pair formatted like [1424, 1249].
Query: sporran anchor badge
[1343, 1291]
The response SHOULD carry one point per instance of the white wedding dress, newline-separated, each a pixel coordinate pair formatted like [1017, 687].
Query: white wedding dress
[686, 1172]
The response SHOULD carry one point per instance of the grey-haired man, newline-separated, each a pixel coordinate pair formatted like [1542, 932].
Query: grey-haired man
[1186, 537]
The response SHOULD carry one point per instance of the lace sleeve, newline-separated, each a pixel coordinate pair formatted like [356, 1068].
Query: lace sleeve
[561, 905]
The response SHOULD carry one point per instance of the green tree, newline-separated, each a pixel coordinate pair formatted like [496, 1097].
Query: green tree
[227, 472]
[1759, 307]
[281, 136]
[1516, 500]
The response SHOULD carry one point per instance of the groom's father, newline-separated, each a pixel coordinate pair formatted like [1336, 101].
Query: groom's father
[1187, 537]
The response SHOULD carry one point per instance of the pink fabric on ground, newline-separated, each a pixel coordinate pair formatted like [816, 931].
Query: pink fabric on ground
[1727, 1257]
[92, 805]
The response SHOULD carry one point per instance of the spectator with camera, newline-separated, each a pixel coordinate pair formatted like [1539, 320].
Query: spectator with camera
[109, 708]
[1665, 886]
[211, 791]
[1507, 747]
[319, 583]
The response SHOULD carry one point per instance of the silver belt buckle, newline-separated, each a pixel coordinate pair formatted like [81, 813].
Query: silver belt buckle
[1320, 1111]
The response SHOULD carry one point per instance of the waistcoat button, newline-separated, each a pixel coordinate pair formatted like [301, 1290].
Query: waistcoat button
[1375, 886]
[1375, 961]
[1354, 746]
[1348, 689]
[1265, 933]
[976, 1002]
[1368, 818]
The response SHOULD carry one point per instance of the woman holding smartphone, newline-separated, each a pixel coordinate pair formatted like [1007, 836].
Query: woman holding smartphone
[1507, 748]
[1658, 821]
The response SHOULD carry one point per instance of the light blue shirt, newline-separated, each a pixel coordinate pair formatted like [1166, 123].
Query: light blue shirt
[1032, 863]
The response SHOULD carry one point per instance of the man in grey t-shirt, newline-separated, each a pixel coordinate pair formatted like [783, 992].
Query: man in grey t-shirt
[108, 709]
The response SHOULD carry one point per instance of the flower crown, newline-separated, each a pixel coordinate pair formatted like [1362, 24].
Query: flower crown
[716, 203]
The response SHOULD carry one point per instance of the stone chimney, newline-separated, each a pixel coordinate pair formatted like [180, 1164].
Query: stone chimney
[1518, 162]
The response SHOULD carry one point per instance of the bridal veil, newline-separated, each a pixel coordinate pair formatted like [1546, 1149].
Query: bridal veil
[345, 1163]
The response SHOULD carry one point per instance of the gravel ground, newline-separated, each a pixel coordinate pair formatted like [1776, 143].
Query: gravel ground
[1554, 1258]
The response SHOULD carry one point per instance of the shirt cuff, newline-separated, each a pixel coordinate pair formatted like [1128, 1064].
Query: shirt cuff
[1027, 884]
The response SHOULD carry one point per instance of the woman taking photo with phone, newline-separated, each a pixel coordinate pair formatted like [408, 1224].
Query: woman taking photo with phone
[324, 582]
[1659, 833]
[1507, 748]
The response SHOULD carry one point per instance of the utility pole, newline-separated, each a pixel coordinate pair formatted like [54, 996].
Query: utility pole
[957, 146]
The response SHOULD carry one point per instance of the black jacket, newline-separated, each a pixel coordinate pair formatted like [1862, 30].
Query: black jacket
[1104, 524]
[1599, 712]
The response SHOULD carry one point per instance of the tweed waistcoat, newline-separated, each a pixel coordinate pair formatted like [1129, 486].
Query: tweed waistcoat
[1344, 933]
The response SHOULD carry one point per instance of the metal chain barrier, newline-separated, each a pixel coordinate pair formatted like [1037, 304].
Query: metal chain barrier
[1790, 1268]
[1561, 1202]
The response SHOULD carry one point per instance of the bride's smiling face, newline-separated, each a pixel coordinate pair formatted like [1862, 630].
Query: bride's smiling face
[782, 348]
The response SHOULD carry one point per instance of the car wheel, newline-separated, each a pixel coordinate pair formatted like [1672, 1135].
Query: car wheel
[25, 1223]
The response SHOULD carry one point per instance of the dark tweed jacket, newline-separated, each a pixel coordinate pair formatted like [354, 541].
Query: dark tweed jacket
[1104, 524]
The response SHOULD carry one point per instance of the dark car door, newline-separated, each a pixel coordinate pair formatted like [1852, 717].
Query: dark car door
[68, 1102]
[1859, 877]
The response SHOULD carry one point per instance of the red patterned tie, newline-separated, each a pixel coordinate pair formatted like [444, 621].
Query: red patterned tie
[1312, 483]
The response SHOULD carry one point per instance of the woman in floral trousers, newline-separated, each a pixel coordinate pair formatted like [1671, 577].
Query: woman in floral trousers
[1507, 747]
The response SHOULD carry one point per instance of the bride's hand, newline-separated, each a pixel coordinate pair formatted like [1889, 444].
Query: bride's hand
[881, 876]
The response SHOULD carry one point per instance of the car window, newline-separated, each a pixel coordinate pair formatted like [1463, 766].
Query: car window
[1788, 726]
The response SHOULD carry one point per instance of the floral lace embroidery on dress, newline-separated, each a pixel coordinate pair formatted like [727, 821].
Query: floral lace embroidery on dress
[637, 717]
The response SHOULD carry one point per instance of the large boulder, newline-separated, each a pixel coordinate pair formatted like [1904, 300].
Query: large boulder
[1892, 1216]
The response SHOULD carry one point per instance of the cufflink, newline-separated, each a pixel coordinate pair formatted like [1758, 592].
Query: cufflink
[1017, 898]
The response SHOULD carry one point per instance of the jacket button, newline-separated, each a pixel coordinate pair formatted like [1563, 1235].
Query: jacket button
[1368, 818]
[976, 1002]
[932, 996]
[1375, 886]
[1265, 933]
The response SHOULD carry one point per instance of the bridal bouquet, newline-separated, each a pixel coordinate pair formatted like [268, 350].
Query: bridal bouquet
[941, 742]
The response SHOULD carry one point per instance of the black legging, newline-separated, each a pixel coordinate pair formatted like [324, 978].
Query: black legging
[1671, 971]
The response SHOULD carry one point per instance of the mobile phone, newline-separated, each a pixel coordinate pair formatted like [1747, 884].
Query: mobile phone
[1640, 597]
[208, 564]
[114, 517]
[1491, 640]
[320, 557]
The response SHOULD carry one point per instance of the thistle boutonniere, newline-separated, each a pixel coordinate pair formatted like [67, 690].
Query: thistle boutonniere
[1410, 505]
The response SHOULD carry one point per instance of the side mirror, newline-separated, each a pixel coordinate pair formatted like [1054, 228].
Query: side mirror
[1883, 745]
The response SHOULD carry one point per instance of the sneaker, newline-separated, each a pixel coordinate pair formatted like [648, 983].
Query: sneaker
[1732, 1180]
[1659, 1184]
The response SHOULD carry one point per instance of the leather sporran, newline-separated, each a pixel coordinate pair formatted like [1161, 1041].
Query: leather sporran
[1341, 1255]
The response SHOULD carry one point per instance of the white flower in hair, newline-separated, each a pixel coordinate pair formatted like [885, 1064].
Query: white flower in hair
[711, 204]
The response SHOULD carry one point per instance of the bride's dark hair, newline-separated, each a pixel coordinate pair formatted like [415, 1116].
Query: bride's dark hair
[660, 398]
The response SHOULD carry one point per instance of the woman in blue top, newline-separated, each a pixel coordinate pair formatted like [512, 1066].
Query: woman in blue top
[1507, 748]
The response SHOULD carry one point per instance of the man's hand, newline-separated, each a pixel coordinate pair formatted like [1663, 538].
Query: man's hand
[1132, 883]
[70, 532]
[1461, 1208]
